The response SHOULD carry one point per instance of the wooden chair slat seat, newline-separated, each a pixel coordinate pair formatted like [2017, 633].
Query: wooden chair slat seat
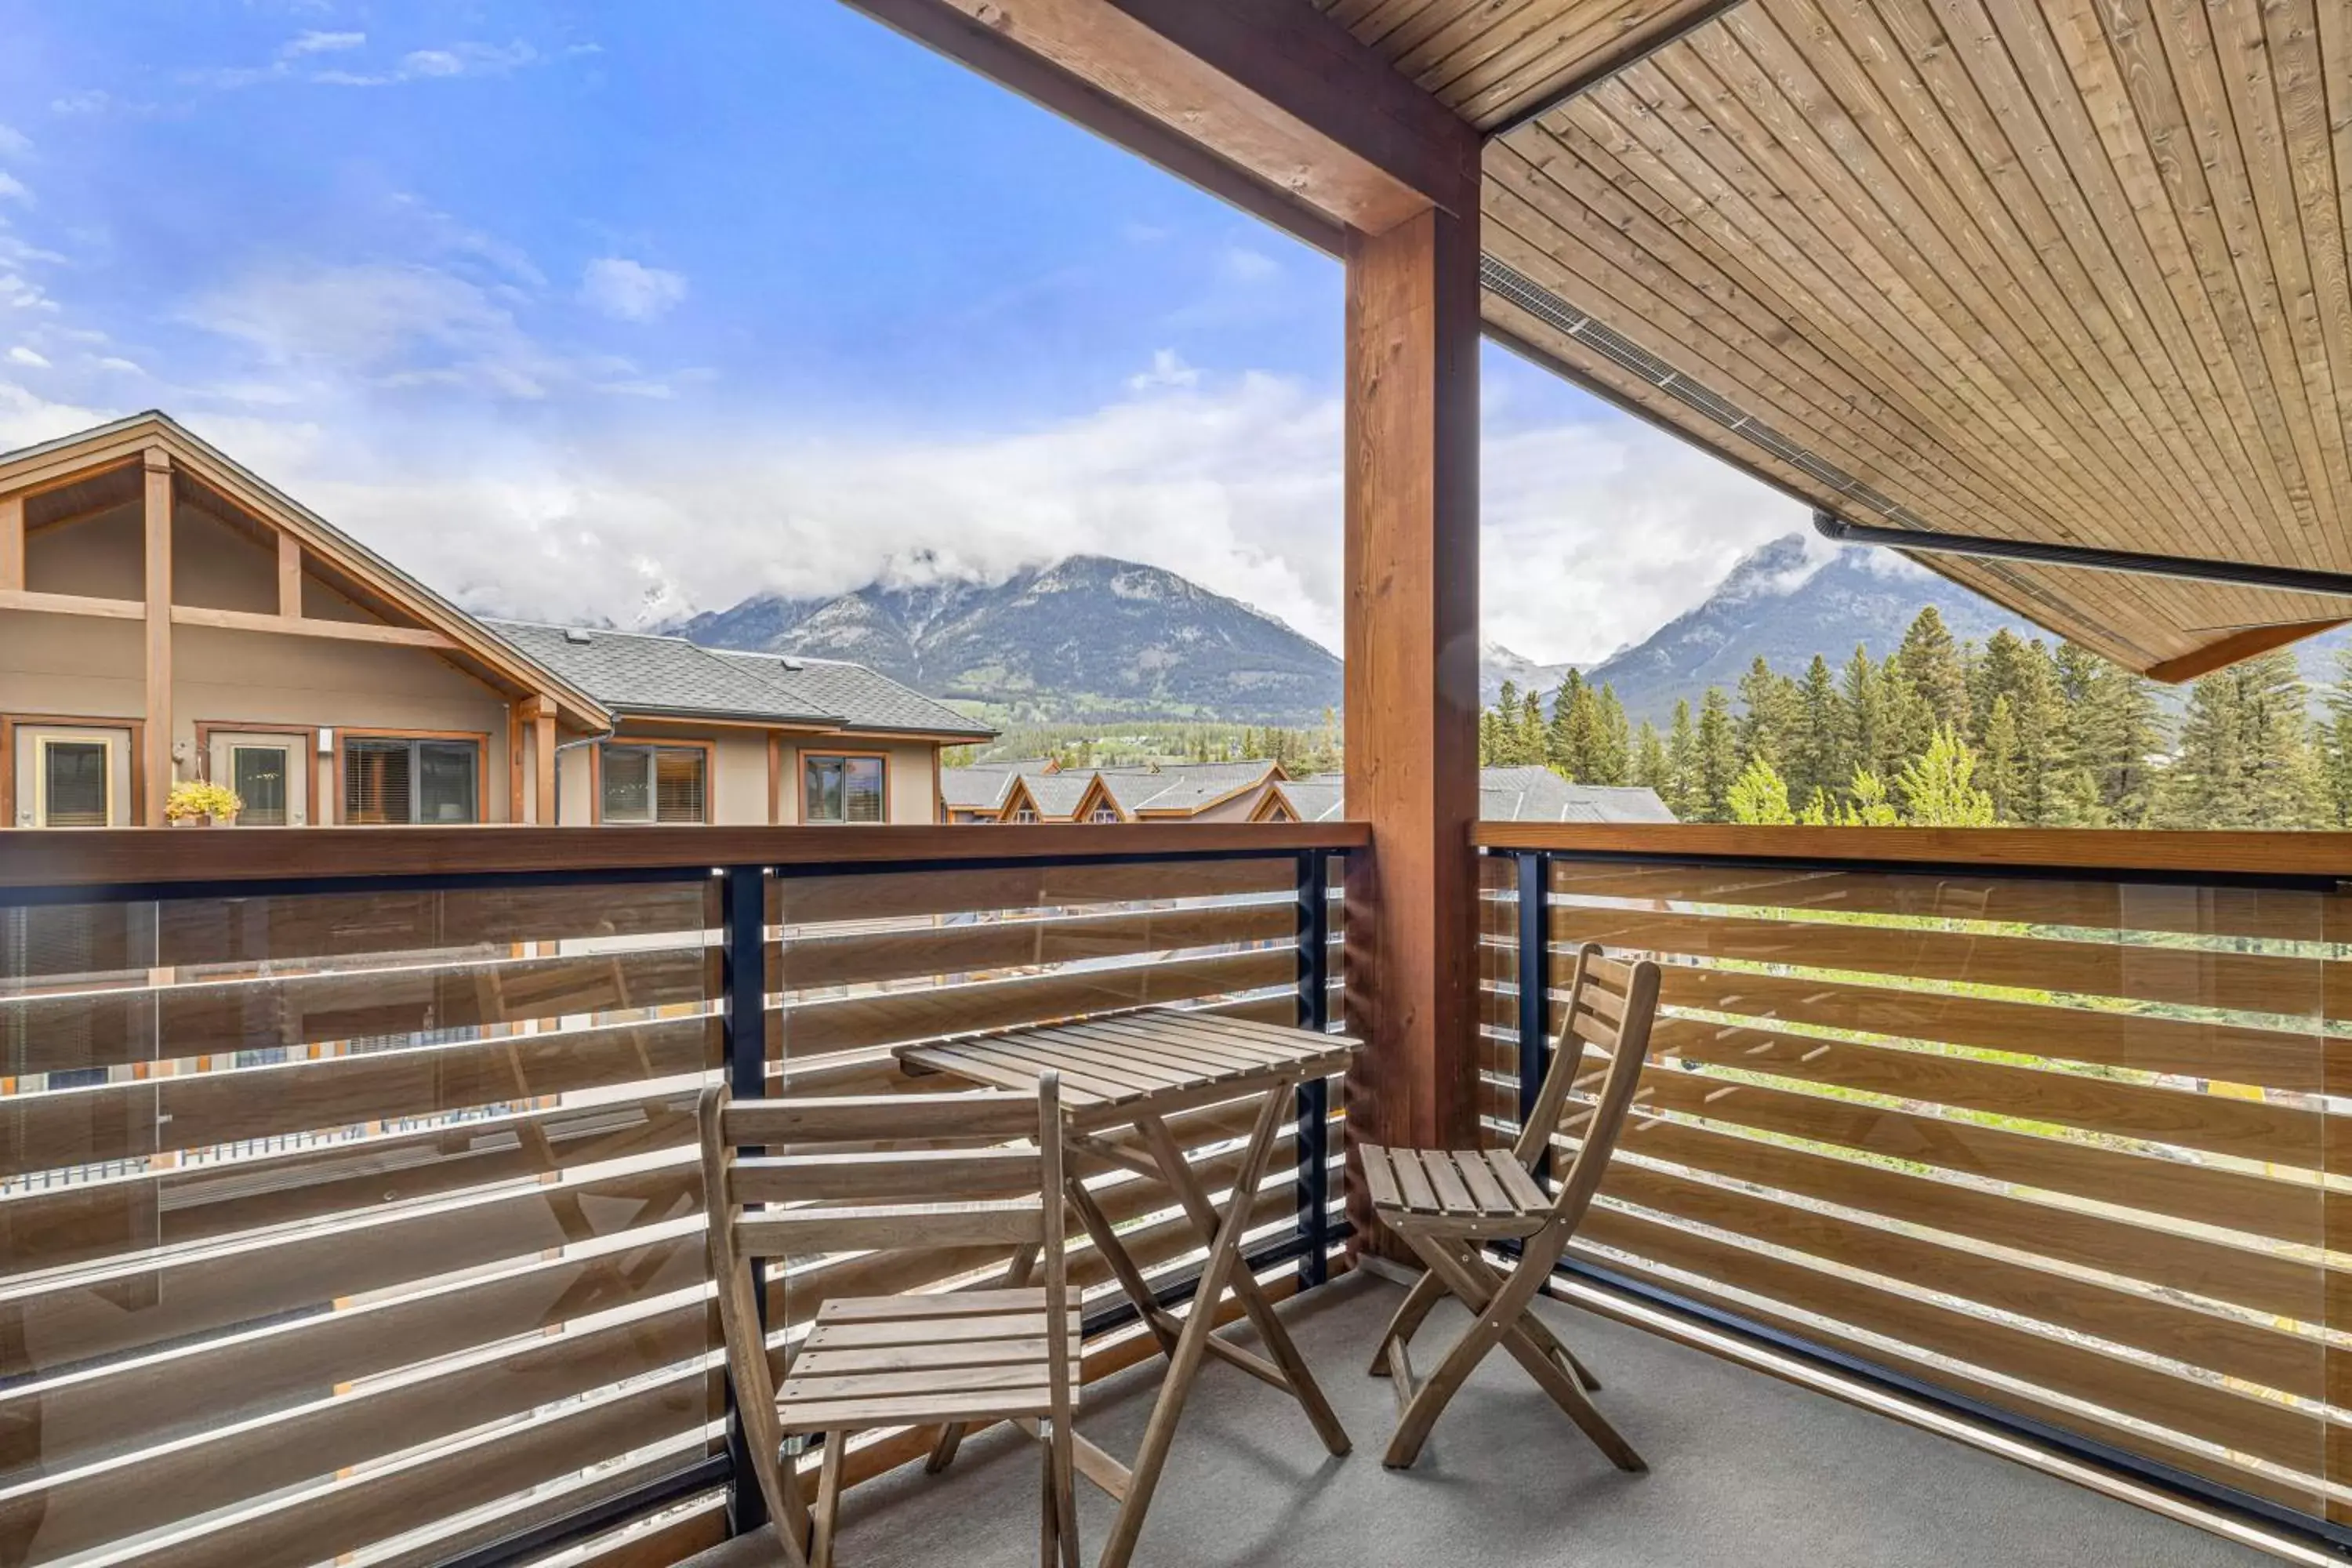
[1447, 1203]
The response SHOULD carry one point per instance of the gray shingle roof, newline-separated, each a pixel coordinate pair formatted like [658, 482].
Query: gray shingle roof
[642, 673]
[1183, 786]
[862, 697]
[1506, 794]
[1539, 794]
[975, 789]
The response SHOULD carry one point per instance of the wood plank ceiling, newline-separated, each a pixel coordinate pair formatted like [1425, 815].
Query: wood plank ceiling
[2061, 270]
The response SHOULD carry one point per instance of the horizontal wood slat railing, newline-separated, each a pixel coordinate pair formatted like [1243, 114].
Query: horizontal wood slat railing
[368, 1186]
[2042, 1122]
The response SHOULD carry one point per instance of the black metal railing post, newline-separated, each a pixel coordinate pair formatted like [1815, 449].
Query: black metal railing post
[1314, 926]
[743, 982]
[1534, 977]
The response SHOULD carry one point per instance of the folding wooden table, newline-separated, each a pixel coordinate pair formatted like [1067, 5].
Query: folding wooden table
[1132, 1071]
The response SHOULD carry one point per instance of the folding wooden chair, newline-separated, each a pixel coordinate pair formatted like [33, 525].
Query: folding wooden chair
[1448, 1204]
[894, 1361]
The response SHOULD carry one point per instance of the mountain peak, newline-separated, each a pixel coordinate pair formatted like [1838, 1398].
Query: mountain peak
[1085, 637]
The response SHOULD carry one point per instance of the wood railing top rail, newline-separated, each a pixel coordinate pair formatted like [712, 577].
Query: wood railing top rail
[2314, 856]
[140, 856]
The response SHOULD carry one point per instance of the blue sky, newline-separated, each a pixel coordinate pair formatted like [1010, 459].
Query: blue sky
[617, 310]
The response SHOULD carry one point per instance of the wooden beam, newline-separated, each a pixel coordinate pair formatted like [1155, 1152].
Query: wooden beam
[515, 726]
[775, 777]
[2244, 642]
[73, 605]
[289, 576]
[305, 627]
[1669, 23]
[1411, 680]
[12, 545]
[156, 762]
[1279, 94]
[541, 712]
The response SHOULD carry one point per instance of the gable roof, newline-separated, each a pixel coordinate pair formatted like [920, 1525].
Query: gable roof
[862, 699]
[650, 676]
[1539, 794]
[1185, 787]
[48, 464]
[655, 676]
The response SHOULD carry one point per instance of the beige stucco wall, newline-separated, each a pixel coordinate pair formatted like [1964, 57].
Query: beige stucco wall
[86, 667]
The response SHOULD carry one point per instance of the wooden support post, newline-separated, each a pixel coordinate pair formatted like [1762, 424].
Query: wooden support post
[542, 719]
[1412, 681]
[156, 762]
[289, 576]
[775, 778]
[516, 723]
[11, 542]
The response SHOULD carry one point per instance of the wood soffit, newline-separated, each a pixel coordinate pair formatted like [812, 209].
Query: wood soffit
[2073, 273]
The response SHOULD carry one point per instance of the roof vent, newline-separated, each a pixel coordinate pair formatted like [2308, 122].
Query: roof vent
[573, 634]
[793, 664]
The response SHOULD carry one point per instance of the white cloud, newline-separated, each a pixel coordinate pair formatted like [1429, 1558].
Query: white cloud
[20, 354]
[1168, 369]
[319, 43]
[13, 189]
[630, 290]
[13, 143]
[1241, 264]
[26, 417]
[356, 318]
[424, 65]
[91, 100]
[122, 366]
[18, 292]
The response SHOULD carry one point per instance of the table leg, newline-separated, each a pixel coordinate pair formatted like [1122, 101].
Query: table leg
[1181, 1179]
[1191, 1344]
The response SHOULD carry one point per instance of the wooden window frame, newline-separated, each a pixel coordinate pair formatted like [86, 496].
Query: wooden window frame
[808, 756]
[709, 750]
[478, 739]
[11, 722]
[304, 736]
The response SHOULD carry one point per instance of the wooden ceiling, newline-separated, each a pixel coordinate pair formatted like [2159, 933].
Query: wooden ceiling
[2062, 270]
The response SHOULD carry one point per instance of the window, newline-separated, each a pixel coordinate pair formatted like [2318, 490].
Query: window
[258, 774]
[841, 789]
[73, 783]
[429, 782]
[1024, 813]
[1106, 814]
[655, 784]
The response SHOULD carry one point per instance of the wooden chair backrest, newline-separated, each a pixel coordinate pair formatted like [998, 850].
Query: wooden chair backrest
[887, 1171]
[1611, 1007]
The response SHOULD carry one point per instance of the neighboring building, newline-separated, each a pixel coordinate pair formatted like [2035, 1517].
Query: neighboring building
[165, 613]
[1258, 791]
[1037, 790]
[1539, 794]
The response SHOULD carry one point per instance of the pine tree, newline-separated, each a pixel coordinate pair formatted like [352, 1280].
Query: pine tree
[2001, 765]
[1939, 786]
[1937, 675]
[1869, 729]
[1818, 760]
[2245, 757]
[1682, 765]
[1568, 741]
[1650, 770]
[1717, 758]
[2336, 741]
[1760, 795]
[2113, 731]
[1612, 755]
[1772, 714]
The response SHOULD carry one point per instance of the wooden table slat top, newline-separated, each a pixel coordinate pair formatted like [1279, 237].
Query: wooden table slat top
[1129, 1058]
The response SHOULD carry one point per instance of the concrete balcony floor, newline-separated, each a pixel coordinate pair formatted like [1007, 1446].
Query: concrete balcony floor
[1746, 1472]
